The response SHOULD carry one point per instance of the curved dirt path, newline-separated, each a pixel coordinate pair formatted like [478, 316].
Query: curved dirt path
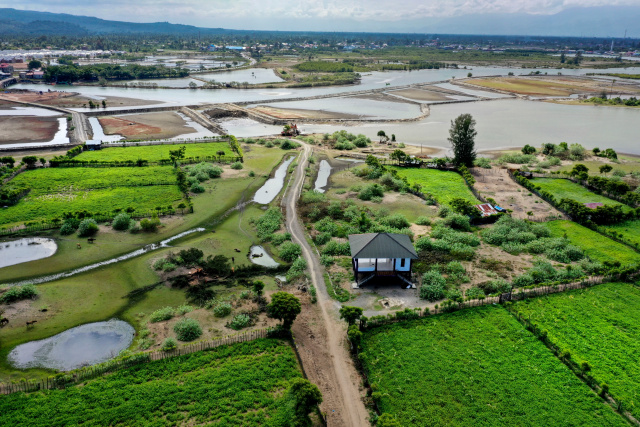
[319, 334]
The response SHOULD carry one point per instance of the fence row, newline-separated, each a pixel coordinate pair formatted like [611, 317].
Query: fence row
[64, 379]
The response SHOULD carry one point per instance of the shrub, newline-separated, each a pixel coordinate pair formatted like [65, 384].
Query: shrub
[187, 329]
[482, 162]
[150, 225]
[237, 166]
[18, 293]
[498, 286]
[336, 248]
[458, 222]
[289, 145]
[396, 221]
[184, 309]
[423, 220]
[134, 227]
[289, 251]
[474, 293]
[326, 260]
[169, 344]
[196, 188]
[162, 314]
[322, 238]
[67, 229]
[279, 238]
[371, 191]
[222, 309]
[88, 227]
[121, 222]
[433, 284]
[240, 321]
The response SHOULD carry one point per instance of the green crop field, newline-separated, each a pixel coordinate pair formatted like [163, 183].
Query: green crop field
[241, 384]
[55, 191]
[565, 189]
[443, 185]
[595, 245]
[630, 231]
[600, 326]
[154, 153]
[475, 367]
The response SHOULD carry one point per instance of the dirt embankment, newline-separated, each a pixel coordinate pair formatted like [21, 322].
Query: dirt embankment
[21, 129]
[301, 114]
[162, 125]
[71, 99]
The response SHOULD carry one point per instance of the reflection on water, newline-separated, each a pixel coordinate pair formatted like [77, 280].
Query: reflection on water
[74, 348]
[258, 255]
[251, 75]
[323, 176]
[272, 187]
[24, 250]
[28, 111]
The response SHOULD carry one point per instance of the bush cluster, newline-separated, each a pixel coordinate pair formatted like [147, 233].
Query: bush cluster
[187, 329]
[18, 293]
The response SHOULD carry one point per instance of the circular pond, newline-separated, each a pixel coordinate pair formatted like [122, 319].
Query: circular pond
[74, 348]
[258, 255]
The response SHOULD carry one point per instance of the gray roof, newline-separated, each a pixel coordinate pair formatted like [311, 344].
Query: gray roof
[381, 245]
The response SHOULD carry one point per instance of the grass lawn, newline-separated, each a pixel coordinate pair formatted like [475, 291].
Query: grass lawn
[565, 189]
[472, 368]
[407, 204]
[443, 185]
[241, 384]
[600, 326]
[630, 231]
[153, 153]
[595, 245]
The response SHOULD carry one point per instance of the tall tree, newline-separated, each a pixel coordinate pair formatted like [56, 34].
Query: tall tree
[462, 138]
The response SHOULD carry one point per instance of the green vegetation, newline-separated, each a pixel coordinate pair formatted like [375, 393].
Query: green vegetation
[599, 326]
[153, 153]
[239, 384]
[56, 191]
[628, 231]
[72, 73]
[444, 186]
[475, 367]
[595, 246]
[566, 189]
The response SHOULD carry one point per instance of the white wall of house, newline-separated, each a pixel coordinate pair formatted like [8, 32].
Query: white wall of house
[383, 264]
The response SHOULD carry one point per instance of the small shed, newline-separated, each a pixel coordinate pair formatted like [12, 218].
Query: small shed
[487, 209]
[381, 254]
[594, 205]
[92, 144]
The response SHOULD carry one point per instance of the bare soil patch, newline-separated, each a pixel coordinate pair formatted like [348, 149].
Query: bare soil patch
[71, 99]
[496, 184]
[550, 85]
[160, 125]
[287, 113]
[421, 95]
[383, 97]
[19, 129]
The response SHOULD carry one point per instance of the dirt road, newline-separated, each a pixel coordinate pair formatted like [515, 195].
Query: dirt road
[319, 334]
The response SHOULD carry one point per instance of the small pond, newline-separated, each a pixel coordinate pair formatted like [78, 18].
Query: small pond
[74, 348]
[24, 250]
[272, 187]
[323, 176]
[258, 255]
[98, 132]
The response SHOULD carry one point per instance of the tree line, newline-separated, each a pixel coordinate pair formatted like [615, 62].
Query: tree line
[97, 72]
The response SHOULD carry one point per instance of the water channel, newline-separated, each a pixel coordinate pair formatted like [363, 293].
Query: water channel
[25, 250]
[272, 187]
[324, 171]
[74, 348]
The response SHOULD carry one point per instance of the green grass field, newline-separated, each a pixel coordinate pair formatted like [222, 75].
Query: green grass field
[595, 245]
[563, 188]
[443, 185]
[600, 326]
[55, 191]
[476, 367]
[630, 231]
[153, 153]
[241, 384]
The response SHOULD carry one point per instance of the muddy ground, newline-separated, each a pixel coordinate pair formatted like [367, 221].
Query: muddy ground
[301, 114]
[66, 99]
[161, 125]
[20, 129]
[421, 95]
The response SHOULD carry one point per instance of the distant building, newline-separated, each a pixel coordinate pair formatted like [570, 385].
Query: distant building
[6, 68]
[381, 254]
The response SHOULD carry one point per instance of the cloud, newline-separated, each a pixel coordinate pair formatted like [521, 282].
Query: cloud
[289, 14]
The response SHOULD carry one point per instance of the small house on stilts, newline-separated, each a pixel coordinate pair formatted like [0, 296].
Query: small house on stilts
[382, 255]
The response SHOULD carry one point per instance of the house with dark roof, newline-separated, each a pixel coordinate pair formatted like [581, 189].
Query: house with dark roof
[382, 255]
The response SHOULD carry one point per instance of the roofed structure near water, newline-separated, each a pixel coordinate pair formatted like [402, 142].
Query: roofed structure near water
[381, 254]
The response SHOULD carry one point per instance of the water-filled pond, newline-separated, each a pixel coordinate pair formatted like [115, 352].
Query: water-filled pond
[98, 131]
[258, 255]
[60, 137]
[272, 187]
[24, 250]
[251, 75]
[74, 348]
[323, 176]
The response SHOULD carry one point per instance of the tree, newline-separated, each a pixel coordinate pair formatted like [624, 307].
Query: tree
[257, 286]
[579, 170]
[528, 149]
[34, 63]
[43, 161]
[176, 155]
[285, 307]
[383, 136]
[462, 137]
[393, 137]
[30, 161]
[104, 104]
[220, 153]
[350, 314]
[605, 169]
[305, 396]
[563, 58]
[398, 155]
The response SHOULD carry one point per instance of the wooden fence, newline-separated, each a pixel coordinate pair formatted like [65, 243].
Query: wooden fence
[73, 377]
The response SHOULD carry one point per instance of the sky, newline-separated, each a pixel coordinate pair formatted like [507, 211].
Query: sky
[319, 15]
